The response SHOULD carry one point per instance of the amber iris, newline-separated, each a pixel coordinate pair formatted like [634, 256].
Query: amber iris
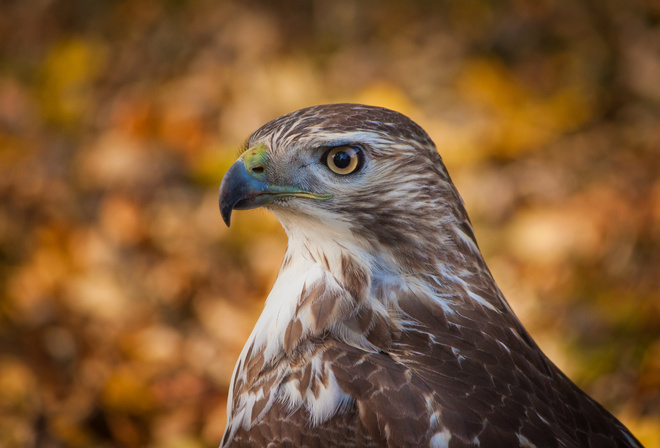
[344, 159]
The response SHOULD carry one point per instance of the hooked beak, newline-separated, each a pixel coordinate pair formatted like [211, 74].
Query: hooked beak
[245, 186]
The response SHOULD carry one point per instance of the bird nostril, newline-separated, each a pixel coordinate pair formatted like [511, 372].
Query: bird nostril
[258, 169]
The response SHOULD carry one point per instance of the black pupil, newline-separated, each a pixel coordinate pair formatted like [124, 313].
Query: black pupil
[342, 159]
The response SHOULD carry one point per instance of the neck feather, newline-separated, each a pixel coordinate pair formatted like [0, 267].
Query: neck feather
[331, 283]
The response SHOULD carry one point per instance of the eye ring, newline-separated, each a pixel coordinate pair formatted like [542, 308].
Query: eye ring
[344, 159]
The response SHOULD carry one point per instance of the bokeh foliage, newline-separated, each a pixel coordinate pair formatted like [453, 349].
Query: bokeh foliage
[125, 302]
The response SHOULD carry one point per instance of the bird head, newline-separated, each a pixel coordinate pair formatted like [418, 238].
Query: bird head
[351, 172]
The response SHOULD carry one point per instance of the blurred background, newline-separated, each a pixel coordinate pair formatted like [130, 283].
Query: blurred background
[124, 300]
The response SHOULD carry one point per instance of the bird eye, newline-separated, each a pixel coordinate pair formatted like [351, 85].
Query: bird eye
[344, 159]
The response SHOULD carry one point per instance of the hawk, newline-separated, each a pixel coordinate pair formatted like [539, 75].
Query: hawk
[385, 327]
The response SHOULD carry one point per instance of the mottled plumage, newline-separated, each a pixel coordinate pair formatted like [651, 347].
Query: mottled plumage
[385, 326]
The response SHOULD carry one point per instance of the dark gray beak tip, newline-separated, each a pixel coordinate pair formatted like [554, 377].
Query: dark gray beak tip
[232, 189]
[238, 190]
[225, 211]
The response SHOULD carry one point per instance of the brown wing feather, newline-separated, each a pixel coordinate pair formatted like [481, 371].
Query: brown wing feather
[283, 428]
